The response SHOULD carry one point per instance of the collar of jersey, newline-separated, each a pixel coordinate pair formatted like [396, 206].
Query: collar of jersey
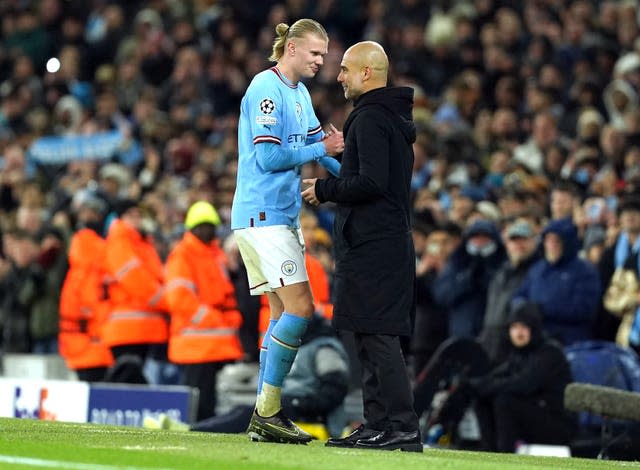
[282, 78]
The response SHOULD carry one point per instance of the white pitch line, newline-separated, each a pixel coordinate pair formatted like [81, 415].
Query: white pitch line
[18, 460]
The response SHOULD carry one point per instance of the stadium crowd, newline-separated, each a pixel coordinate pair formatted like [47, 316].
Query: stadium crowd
[528, 117]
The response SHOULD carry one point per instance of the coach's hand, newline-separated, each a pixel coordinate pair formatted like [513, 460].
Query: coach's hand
[309, 194]
[333, 141]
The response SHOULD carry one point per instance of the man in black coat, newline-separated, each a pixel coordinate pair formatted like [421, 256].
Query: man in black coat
[523, 396]
[375, 261]
[520, 399]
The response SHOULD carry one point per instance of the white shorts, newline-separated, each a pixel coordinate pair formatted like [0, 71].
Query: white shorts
[273, 256]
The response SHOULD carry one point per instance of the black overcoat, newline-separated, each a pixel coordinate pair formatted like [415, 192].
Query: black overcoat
[374, 285]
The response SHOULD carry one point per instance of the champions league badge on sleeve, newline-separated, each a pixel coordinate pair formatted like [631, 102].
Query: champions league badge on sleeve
[289, 268]
[267, 107]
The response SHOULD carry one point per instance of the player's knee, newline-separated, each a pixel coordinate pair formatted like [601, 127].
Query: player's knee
[301, 309]
[306, 310]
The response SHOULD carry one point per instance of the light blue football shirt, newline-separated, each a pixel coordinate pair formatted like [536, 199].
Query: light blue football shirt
[277, 133]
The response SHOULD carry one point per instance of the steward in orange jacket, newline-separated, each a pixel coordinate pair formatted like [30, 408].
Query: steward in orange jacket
[83, 301]
[204, 313]
[138, 317]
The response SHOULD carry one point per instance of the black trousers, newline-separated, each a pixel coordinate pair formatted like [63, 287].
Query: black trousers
[387, 397]
[203, 377]
[91, 374]
[129, 364]
[506, 419]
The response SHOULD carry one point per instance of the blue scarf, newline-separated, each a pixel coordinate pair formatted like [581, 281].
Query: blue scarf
[622, 250]
[620, 257]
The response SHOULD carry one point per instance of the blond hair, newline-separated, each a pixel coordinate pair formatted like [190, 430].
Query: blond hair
[298, 29]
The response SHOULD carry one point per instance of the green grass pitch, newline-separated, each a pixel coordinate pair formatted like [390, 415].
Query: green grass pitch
[44, 444]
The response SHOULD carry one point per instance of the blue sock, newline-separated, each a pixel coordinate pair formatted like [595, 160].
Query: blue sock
[283, 347]
[264, 351]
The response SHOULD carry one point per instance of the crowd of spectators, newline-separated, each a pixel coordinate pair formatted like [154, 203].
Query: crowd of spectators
[524, 109]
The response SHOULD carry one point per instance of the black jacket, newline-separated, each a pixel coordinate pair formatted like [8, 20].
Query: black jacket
[375, 261]
[539, 371]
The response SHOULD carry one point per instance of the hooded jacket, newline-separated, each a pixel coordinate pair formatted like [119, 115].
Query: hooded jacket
[567, 291]
[372, 201]
[375, 261]
[539, 370]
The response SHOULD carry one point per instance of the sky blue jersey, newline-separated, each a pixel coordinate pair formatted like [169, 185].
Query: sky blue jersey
[277, 133]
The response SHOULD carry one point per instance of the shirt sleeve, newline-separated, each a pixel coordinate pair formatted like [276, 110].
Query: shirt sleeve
[331, 164]
[265, 110]
[274, 157]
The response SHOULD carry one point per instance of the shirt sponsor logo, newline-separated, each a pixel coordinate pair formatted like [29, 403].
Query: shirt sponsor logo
[266, 120]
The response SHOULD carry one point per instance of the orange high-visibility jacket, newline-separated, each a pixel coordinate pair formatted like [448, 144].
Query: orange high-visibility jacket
[139, 308]
[83, 304]
[202, 303]
[319, 283]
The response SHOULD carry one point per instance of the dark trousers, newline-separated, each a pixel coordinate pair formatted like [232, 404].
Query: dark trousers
[506, 419]
[203, 377]
[91, 374]
[129, 364]
[387, 397]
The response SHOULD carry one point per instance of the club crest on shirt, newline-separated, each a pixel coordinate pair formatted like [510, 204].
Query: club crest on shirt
[267, 106]
[299, 112]
[289, 268]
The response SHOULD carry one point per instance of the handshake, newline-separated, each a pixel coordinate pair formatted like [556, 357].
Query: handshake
[333, 141]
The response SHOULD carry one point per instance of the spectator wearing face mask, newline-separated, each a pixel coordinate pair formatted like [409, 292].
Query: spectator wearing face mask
[462, 285]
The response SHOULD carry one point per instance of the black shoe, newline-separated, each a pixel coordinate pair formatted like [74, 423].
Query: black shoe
[276, 428]
[408, 441]
[359, 433]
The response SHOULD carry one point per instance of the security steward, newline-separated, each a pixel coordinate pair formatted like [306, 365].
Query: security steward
[202, 304]
[83, 300]
[138, 319]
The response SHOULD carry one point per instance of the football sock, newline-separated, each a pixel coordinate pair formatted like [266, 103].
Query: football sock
[285, 339]
[264, 351]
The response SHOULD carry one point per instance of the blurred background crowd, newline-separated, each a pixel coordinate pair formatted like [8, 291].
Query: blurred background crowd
[528, 115]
